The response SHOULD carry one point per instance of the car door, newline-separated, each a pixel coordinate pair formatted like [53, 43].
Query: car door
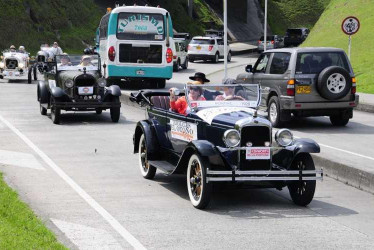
[276, 79]
[178, 131]
[259, 71]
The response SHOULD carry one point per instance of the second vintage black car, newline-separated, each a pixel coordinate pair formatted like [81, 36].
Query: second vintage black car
[222, 139]
[75, 83]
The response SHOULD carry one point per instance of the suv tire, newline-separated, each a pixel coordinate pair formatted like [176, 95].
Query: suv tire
[334, 83]
[338, 121]
[176, 66]
[274, 112]
[185, 65]
[216, 58]
[229, 57]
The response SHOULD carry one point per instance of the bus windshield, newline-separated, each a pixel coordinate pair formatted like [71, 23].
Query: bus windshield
[140, 26]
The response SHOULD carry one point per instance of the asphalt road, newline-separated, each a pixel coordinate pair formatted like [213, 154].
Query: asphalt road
[82, 179]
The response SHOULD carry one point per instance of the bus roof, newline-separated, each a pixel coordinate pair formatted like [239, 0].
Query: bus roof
[139, 9]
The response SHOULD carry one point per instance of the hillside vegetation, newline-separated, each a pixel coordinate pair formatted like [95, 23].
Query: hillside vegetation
[327, 32]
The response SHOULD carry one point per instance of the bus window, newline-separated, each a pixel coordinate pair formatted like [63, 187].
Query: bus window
[103, 29]
[136, 26]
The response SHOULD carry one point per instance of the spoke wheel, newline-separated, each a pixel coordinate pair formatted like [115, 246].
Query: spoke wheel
[199, 190]
[302, 192]
[336, 83]
[147, 170]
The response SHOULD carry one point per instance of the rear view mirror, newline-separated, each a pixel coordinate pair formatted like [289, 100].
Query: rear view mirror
[248, 68]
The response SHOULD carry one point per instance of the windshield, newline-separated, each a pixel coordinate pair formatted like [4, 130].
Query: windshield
[219, 95]
[77, 62]
[202, 41]
[138, 26]
[315, 62]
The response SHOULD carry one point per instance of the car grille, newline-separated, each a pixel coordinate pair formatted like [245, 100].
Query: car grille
[257, 135]
[11, 64]
[130, 54]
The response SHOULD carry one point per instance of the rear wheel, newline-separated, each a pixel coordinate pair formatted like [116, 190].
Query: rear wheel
[55, 113]
[191, 60]
[229, 57]
[199, 190]
[338, 121]
[302, 192]
[185, 65]
[216, 58]
[147, 170]
[29, 79]
[176, 66]
[116, 111]
[35, 74]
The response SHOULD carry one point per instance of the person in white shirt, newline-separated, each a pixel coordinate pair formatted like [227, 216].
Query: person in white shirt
[56, 50]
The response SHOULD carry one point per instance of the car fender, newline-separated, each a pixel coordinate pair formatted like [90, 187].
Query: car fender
[114, 90]
[285, 157]
[144, 127]
[43, 93]
[244, 78]
[57, 92]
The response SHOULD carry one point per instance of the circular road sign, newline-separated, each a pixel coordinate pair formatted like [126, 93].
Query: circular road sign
[350, 25]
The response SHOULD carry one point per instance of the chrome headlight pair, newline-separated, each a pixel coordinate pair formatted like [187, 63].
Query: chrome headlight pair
[284, 137]
[231, 138]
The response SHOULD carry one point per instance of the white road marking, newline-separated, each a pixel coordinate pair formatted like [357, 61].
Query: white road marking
[85, 237]
[80, 191]
[20, 160]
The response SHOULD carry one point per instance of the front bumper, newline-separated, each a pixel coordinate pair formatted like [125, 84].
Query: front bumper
[87, 105]
[201, 57]
[13, 75]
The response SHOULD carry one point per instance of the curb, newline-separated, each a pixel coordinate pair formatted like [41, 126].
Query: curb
[348, 175]
[365, 107]
[242, 52]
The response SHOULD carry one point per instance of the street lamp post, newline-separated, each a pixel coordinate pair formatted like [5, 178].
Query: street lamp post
[225, 36]
[265, 24]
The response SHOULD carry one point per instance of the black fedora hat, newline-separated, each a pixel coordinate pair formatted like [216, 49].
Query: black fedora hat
[199, 75]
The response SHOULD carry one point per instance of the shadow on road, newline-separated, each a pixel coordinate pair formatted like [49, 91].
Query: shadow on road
[91, 118]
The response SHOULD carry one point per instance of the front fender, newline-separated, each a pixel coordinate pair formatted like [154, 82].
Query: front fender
[114, 90]
[57, 92]
[43, 93]
[144, 127]
[285, 157]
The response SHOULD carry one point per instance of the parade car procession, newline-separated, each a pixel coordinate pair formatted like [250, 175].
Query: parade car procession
[222, 140]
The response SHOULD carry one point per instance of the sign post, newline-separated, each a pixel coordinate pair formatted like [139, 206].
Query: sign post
[350, 26]
[225, 36]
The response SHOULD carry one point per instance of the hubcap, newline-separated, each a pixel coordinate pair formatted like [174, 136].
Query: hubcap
[195, 179]
[273, 112]
[336, 83]
[143, 157]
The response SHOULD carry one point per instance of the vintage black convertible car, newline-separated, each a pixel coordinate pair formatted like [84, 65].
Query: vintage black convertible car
[222, 140]
[75, 83]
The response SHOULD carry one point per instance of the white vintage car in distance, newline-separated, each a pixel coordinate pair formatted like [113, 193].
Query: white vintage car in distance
[14, 65]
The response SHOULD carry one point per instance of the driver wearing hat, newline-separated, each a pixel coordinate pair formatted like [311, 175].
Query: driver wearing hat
[200, 77]
[180, 104]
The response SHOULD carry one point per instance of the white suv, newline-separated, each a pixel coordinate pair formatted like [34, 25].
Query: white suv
[180, 58]
[207, 48]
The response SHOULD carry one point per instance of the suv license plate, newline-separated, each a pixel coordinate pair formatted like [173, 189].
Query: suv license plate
[198, 47]
[85, 90]
[140, 72]
[303, 89]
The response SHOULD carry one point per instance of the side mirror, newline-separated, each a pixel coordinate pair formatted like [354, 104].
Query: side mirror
[248, 68]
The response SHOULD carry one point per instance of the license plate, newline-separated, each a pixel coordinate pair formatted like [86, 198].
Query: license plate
[140, 72]
[303, 89]
[85, 90]
[10, 73]
[257, 153]
[198, 47]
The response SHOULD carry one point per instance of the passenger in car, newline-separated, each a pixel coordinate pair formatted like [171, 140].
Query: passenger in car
[209, 95]
[180, 104]
[229, 91]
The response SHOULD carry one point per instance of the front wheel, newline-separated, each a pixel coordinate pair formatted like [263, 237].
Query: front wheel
[302, 192]
[147, 170]
[229, 57]
[274, 112]
[55, 114]
[99, 111]
[199, 190]
[43, 111]
[35, 74]
[115, 112]
[29, 76]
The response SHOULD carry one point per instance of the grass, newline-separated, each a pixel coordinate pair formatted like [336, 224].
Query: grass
[327, 32]
[19, 227]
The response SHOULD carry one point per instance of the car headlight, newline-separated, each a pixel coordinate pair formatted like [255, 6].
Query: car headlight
[284, 137]
[1, 65]
[101, 82]
[21, 65]
[231, 138]
[69, 83]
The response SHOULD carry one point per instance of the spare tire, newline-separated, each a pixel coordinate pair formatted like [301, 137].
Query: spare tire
[334, 83]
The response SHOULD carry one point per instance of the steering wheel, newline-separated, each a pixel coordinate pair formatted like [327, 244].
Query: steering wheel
[233, 98]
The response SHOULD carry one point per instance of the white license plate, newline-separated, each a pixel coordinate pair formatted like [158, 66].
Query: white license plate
[257, 153]
[140, 72]
[85, 90]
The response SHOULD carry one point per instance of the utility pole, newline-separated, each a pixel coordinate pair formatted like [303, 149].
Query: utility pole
[225, 36]
[265, 24]
[190, 7]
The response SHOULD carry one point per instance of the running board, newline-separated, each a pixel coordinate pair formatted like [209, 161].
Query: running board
[163, 166]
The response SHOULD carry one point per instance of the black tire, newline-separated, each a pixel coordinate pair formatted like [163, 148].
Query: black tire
[115, 113]
[229, 57]
[55, 114]
[35, 74]
[98, 111]
[191, 60]
[185, 64]
[147, 170]
[43, 111]
[29, 79]
[334, 83]
[302, 193]
[274, 112]
[161, 83]
[216, 58]
[176, 66]
[338, 121]
[199, 190]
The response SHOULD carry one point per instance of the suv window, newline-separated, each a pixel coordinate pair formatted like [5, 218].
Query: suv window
[203, 41]
[261, 63]
[220, 42]
[279, 63]
[315, 62]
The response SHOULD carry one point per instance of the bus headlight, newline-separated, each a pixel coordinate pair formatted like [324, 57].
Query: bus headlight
[284, 137]
[231, 138]
[101, 82]
[69, 83]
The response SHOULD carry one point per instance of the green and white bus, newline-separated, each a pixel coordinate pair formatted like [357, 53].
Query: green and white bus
[135, 44]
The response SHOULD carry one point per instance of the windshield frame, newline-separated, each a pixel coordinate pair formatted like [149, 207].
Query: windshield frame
[213, 103]
[78, 67]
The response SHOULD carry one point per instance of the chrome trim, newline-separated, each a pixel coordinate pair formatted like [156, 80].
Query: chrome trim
[279, 132]
[213, 179]
[262, 172]
[225, 136]
[221, 149]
